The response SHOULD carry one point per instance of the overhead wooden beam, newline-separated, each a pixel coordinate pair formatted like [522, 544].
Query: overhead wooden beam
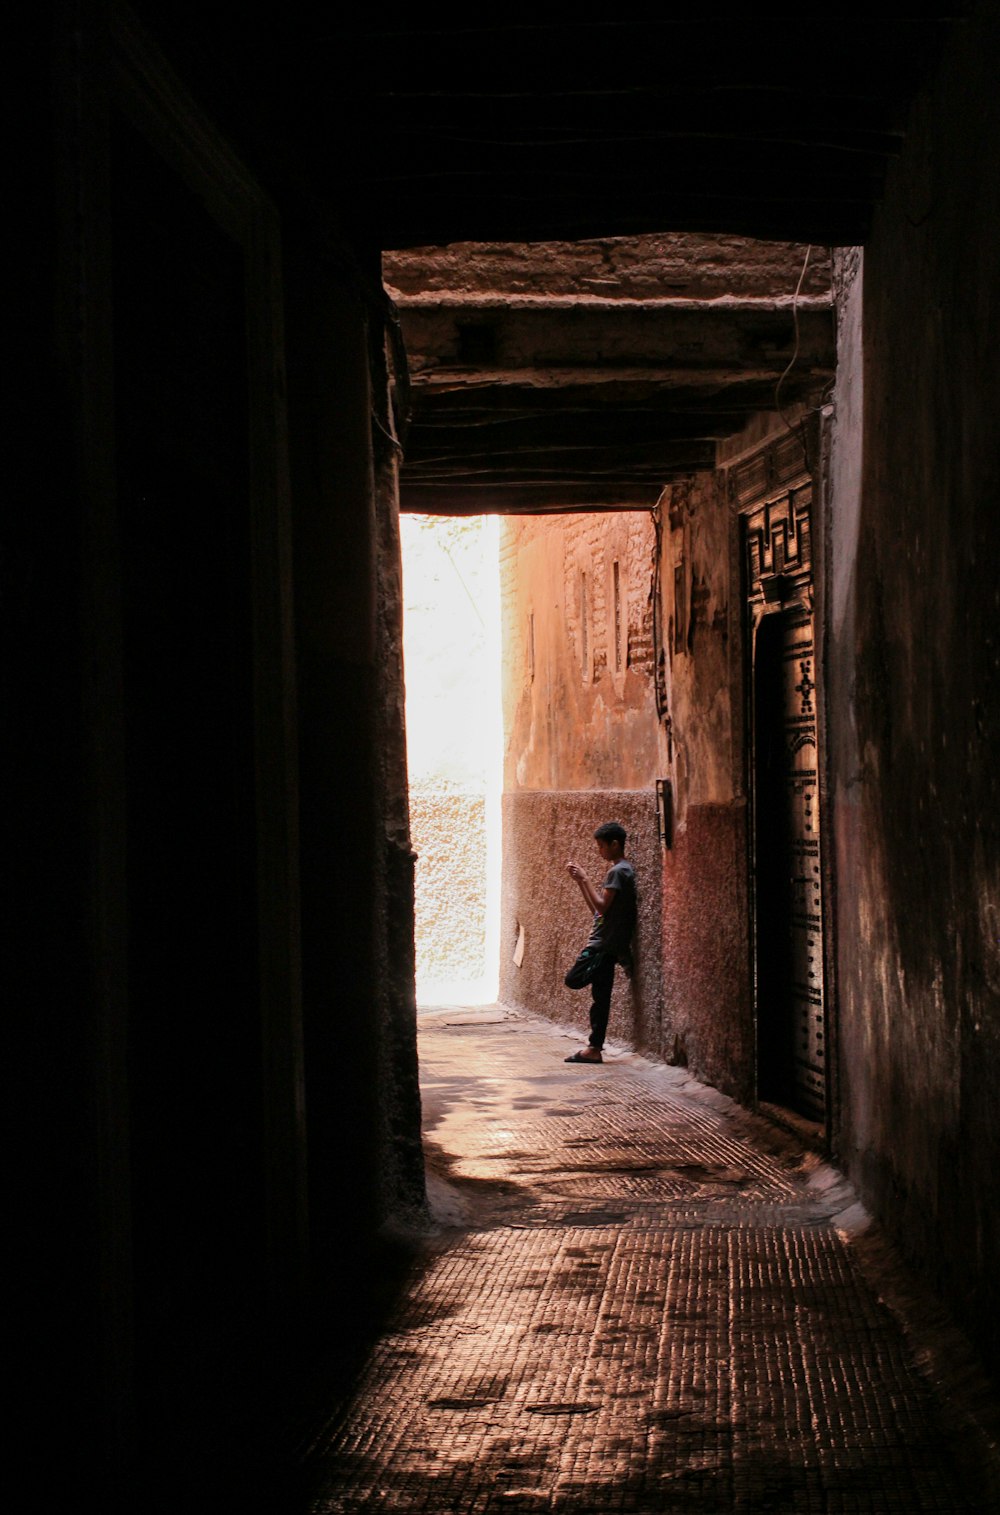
[574, 464]
[520, 387]
[665, 394]
[525, 498]
[451, 339]
[504, 436]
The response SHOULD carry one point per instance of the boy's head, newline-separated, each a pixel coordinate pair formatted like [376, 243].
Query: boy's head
[610, 839]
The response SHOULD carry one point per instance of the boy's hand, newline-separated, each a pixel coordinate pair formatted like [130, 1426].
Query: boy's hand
[574, 871]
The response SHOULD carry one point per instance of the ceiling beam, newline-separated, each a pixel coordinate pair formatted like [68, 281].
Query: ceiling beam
[516, 498]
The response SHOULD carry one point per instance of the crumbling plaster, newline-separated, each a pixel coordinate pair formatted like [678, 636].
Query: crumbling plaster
[678, 265]
[701, 619]
[571, 721]
[708, 1021]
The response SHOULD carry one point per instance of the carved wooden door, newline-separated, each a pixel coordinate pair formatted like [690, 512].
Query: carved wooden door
[786, 862]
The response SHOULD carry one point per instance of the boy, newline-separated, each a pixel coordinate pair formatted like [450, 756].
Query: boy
[614, 921]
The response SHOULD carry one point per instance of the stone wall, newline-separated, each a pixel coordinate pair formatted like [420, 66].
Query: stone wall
[582, 746]
[449, 838]
[914, 691]
[585, 746]
[678, 265]
[707, 993]
[578, 709]
[702, 627]
[707, 1010]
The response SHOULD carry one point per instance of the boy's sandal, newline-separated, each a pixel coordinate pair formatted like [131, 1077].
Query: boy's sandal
[581, 1057]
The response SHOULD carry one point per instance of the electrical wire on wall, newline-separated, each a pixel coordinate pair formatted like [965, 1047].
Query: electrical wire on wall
[458, 574]
[659, 645]
[795, 350]
[800, 429]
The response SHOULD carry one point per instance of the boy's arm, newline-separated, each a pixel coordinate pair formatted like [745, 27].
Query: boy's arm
[599, 900]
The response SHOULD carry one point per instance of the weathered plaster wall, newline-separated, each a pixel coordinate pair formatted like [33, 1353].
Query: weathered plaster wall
[574, 715]
[707, 1005]
[680, 264]
[581, 747]
[702, 627]
[914, 692]
[707, 1012]
[570, 726]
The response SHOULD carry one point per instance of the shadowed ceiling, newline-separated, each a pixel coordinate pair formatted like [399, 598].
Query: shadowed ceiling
[778, 125]
[587, 375]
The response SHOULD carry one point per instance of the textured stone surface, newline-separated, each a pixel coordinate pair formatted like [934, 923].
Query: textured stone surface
[582, 747]
[702, 626]
[449, 838]
[691, 1001]
[574, 716]
[707, 994]
[914, 694]
[679, 265]
[589, 375]
[539, 343]
[649, 1301]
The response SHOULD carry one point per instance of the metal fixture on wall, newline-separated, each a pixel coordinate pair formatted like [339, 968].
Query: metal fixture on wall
[665, 812]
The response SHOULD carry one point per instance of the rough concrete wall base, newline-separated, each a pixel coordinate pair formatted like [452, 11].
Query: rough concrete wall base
[542, 831]
[707, 1004]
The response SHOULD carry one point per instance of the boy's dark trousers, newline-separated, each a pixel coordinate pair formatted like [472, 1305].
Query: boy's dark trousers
[596, 968]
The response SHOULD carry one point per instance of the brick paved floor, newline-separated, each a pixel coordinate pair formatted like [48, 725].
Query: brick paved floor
[641, 1299]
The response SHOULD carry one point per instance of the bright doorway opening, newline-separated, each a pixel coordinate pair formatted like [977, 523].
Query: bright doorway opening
[451, 653]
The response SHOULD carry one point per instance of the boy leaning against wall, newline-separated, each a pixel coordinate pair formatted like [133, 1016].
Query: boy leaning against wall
[614, 907]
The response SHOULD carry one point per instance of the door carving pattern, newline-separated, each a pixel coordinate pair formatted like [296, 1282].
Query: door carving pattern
[787, 866]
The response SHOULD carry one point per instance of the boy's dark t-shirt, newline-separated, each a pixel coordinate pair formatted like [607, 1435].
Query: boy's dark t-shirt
[613, 930]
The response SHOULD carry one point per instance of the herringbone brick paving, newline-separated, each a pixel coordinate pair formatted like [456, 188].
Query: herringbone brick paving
[643, 1300]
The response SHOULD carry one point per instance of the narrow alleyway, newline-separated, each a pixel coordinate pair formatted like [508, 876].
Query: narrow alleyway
[642, 1298]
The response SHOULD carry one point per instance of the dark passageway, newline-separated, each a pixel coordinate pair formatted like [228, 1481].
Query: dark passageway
[692, 304]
